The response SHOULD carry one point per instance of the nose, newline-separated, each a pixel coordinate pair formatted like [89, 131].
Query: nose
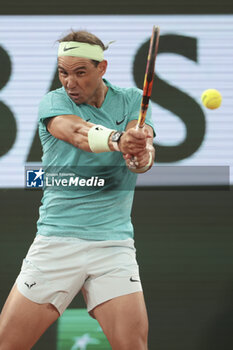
[71, 82]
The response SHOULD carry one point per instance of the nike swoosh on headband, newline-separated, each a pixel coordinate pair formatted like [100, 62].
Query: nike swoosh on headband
[70, 48]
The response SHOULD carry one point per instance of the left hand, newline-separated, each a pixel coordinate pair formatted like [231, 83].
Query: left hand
[141, 159]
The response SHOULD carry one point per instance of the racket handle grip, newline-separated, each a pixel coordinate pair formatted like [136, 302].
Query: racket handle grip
[138, 127]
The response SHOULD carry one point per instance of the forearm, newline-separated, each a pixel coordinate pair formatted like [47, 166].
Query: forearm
[93, 138]
[73, 130]
[79, 136]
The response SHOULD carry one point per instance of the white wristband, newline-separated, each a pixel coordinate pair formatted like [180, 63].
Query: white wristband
[98, 137]
[145, 168]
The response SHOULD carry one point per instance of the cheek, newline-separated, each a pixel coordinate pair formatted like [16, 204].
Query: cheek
[96, 81]
[90, 84]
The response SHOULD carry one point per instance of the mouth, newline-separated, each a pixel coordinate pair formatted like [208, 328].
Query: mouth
[73, 95]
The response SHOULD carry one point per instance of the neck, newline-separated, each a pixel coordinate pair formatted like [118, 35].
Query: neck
[100, 95]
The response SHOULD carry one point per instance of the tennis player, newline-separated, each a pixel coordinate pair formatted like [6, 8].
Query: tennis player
[85, 237]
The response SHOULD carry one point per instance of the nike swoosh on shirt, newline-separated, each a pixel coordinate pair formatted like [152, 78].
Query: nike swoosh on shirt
[121, 121]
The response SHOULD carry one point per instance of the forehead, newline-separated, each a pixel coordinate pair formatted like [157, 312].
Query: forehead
[71, 63]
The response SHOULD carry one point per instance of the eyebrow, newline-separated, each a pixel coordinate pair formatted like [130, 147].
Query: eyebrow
[78, 68]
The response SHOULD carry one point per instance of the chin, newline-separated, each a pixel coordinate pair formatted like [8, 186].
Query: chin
[76, 100]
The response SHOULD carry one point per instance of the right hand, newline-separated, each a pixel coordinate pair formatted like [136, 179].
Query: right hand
[133, 141]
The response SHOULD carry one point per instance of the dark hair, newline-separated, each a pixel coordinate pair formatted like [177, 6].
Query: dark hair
[84, 37]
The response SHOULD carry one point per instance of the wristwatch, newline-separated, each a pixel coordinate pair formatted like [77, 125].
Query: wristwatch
[115, 138]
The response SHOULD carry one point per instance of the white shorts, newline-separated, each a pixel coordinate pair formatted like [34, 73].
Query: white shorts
[57, 268]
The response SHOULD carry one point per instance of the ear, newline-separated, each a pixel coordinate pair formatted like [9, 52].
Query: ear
[102, 67]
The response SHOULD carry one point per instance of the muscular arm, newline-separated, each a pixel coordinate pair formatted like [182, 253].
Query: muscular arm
[73, 129]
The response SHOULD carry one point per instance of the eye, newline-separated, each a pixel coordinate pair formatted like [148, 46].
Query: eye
[81, 73]
[62, 72]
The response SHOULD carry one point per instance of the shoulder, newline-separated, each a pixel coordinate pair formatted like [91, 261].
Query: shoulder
[55, 94]
[56, 102]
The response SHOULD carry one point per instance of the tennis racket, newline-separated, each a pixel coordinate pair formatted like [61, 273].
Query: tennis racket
[149, 76]
[148, 84]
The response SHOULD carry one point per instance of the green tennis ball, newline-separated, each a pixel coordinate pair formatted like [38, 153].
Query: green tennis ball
[211, 98]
